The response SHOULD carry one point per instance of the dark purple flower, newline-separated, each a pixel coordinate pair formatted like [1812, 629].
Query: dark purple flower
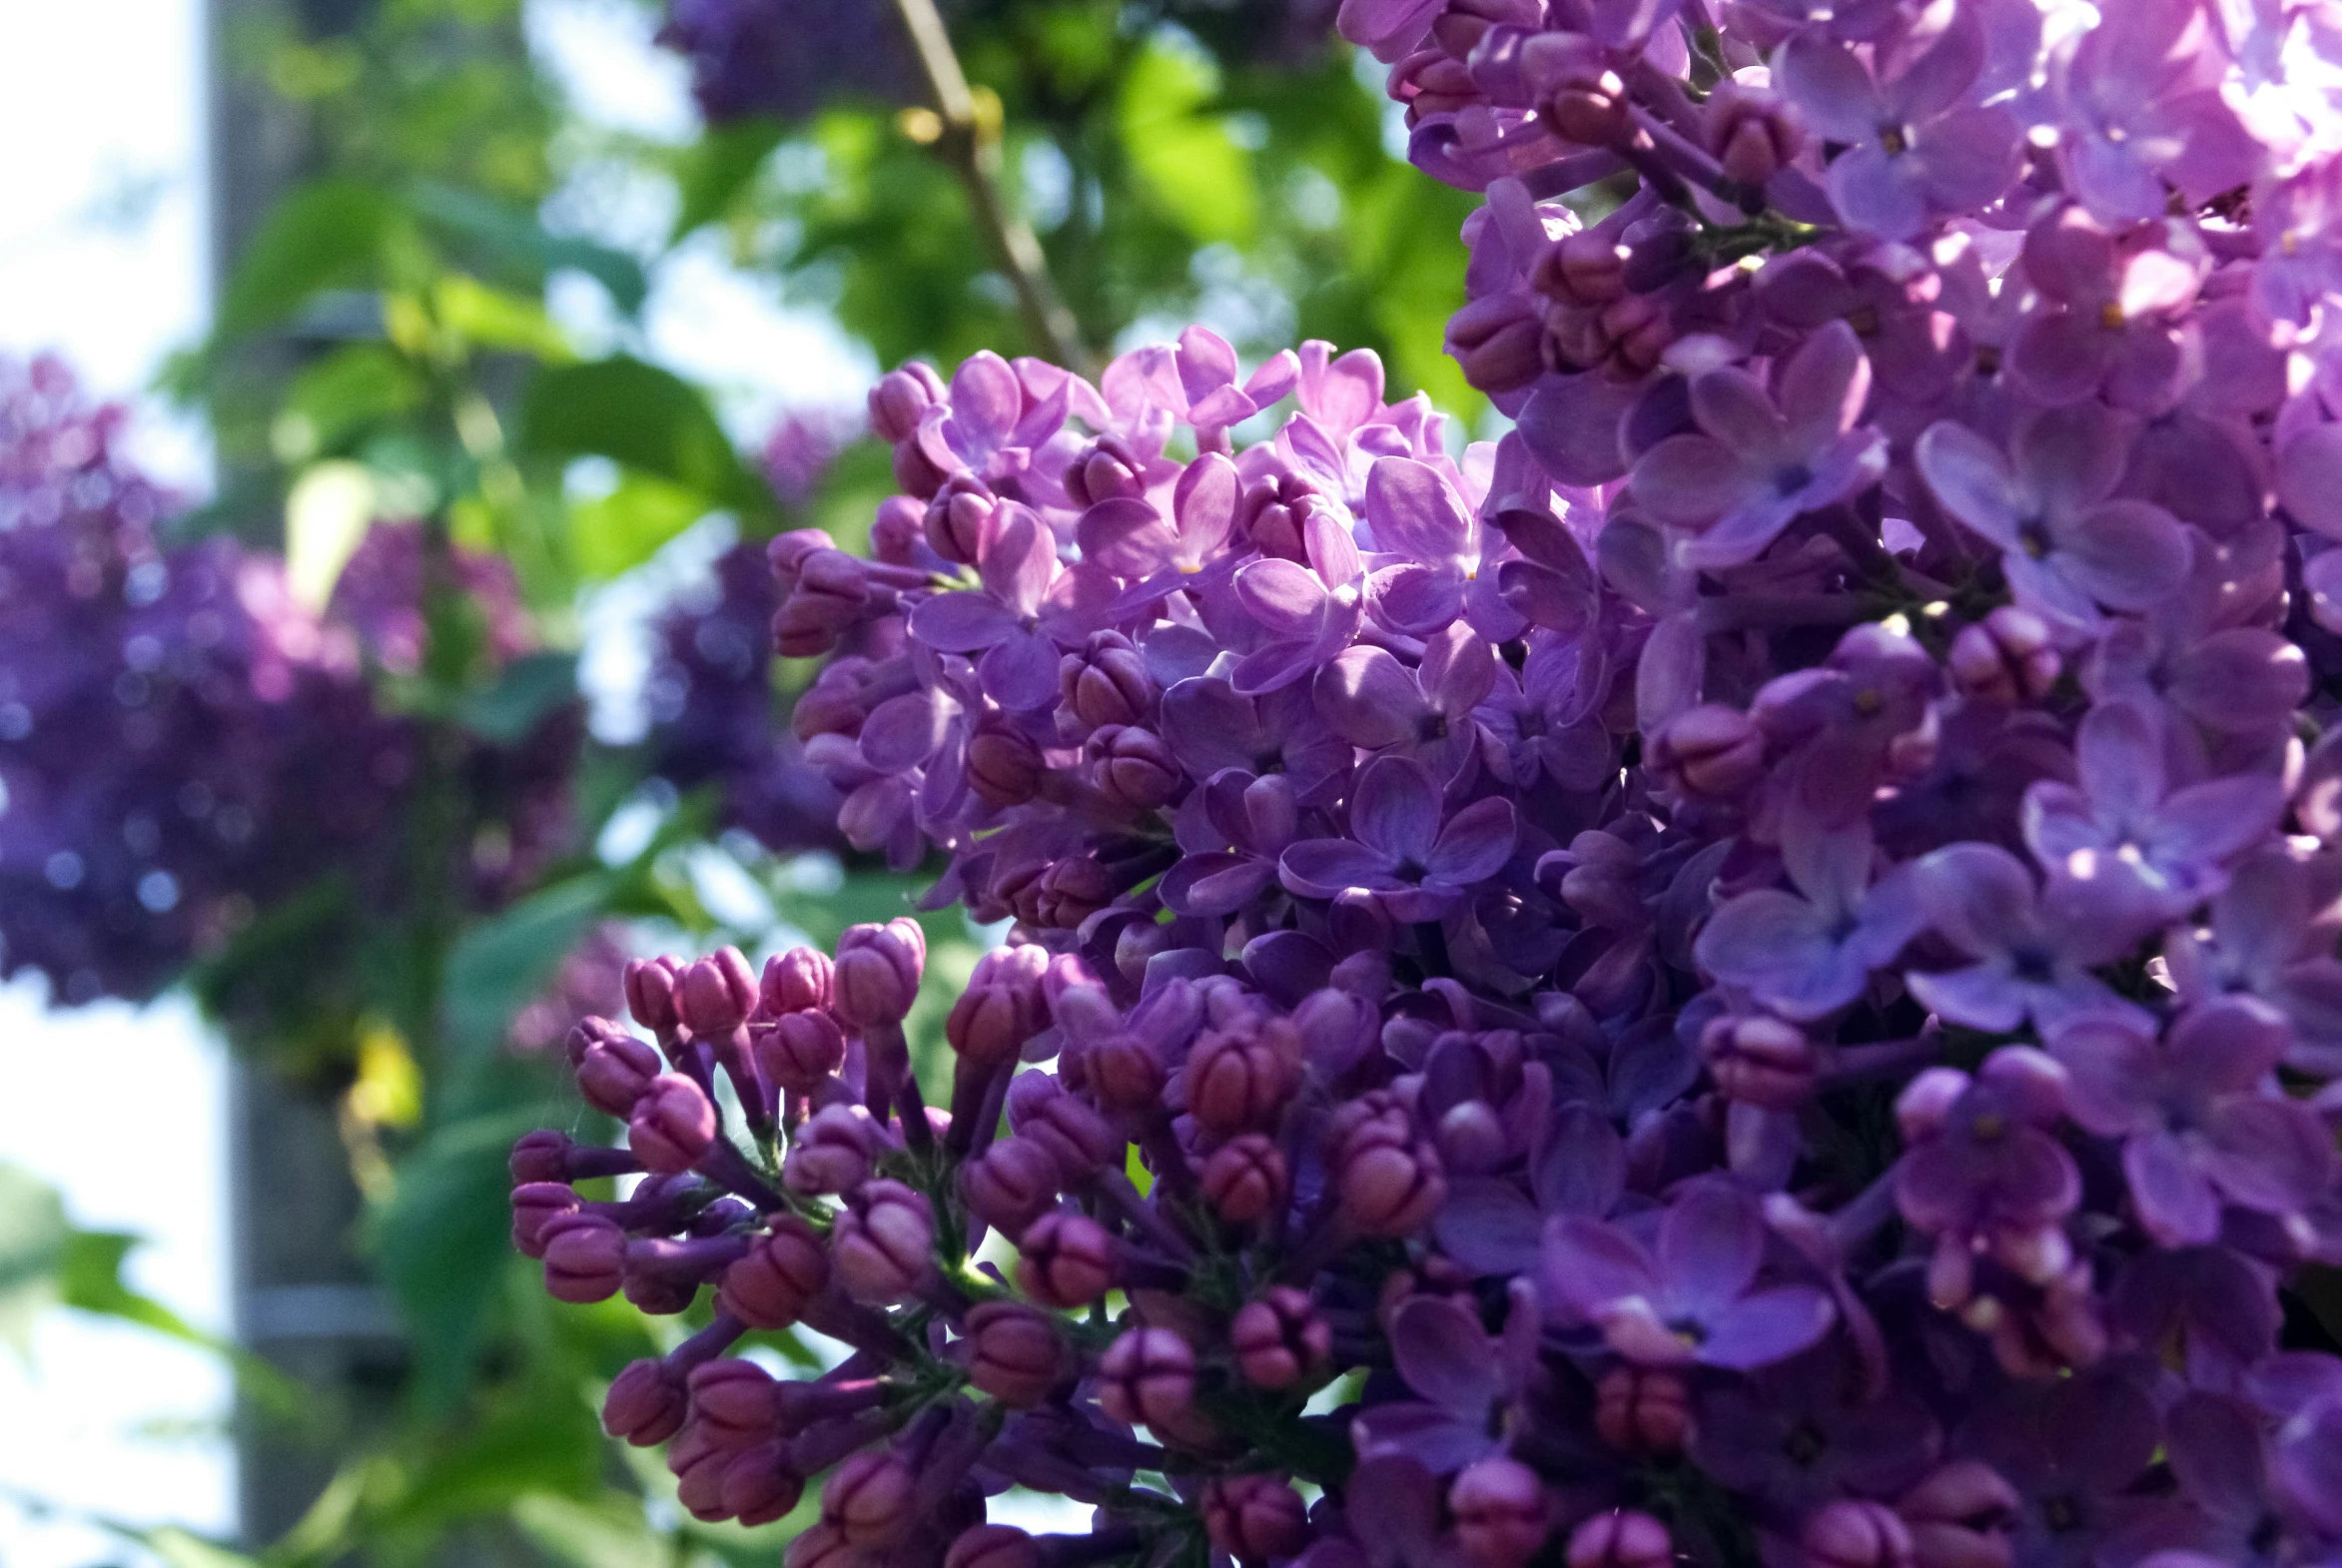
[1982, 1167]
[1461, 1378]
[1805, 957]
[1402, 849]
[1027, 616]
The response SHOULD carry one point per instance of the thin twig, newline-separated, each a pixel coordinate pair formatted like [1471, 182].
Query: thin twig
[970, 143]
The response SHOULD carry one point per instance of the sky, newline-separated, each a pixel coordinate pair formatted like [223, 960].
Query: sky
[102, 259]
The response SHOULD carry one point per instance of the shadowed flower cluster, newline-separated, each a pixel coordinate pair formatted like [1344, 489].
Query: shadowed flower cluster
[1747, 972]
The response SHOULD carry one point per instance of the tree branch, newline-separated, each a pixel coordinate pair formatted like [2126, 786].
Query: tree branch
[970, 142]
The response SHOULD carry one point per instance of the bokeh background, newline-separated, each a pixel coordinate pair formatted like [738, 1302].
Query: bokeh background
[490, 339]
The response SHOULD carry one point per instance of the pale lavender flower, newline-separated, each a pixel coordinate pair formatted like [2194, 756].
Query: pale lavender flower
[2033, 953]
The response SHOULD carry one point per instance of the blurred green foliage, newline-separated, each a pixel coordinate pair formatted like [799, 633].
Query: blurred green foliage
[383, 349]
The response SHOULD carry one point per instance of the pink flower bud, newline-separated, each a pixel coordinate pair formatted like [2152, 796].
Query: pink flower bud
[1857, 1533]
[1005, 767]
[587, 1032]
[1760, 1062]
[2004, 659]
[1497, 341]
[832, 1152]
[831, 591]
[1124, 1072]
[1389, 1181]
[1135, 768]
[1711, 751]
[898, 530]
[1752, 135]
[962, 519]
[1502, 1515]
[796, 1050]
[993, 1546]
[735, 1402]
[1148, 1379]
[885, 1244]
[1066, 1260]
[1959, 1516]
[1015, 1354]
[586, 1257]
[1107, 683]
[616, 1071]
[1076, 1135]
[868, 1499]
[672, 1125]
[1281, 1340]
[698, 1468]
[646, 1403]
[715, 995]
[1643, 1412]
[535, 1206]
[1104, 470]
[759, 1486]
[1246, 1179]
[1243, 1078]
[650, 993]
[1001, 1010]
[878, 970]
[821, 1546]
[1010, 1186]
[1586, 270]
[769, 1286]
[1254, 1518]
[1621, 1538]
[794, 981]
[901, 399]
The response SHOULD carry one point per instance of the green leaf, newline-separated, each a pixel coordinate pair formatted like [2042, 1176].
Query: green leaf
[503, 962]
[324, 235]
[443, 1240]
[518, 238]
[719, 168]
[617, 532]
[608, 1532]
[180, 1548]
[492, 318]
[525, 691]
[1189, 161]
[644, 417]
[34, 1237]
[340, 394]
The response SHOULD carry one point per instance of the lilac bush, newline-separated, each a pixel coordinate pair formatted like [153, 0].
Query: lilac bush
[1743, 973]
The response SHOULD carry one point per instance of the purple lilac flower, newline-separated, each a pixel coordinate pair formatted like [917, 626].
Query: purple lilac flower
[1404, 851]
[771, 57]
[1806, 955]
[2033, 952]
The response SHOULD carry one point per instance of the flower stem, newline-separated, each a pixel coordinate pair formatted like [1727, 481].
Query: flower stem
[970, 142]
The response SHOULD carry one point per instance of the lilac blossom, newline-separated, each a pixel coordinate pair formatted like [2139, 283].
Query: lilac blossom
[2031, 950]
[1807, 954]
[1404, 851]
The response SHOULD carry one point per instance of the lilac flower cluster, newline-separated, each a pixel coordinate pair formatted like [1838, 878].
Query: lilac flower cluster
[786, 59]
[179, 743]
[1743, 974]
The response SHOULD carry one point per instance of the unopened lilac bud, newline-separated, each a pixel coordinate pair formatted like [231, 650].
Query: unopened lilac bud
[1246, 1179]
[962, 519]
[1063, 894]
[821, 1546]
[1961, 1516]
[616, 1071]
[650, 993]
[759, 1486]
[1281, 1340]
[585, 1257]
[737, 1403]
[1621, 1538]
[1076, 1137]
[1001, 1010]
[548, 1155]
[901, 399]
[1108, 468]
[1005, 767]
[535, 1206]
[868, 1499]
[647, 1403]
[878, 970]
[832, 589]
[1760, 1062]
[672, 1125]
[715, 995]
[1593, 109]
[1751, 133]
[1390, 1183]
[1243, 1078]
[1502, 1515]
[2006, 659]
[1148, 1379]
[1125, 1073]
[884, 1245]
[698, 1468]
[1254, 1518]
[1586, 270]
[1857, 1533]
[993, 1546]
[833, 1151]
[1498, 342]
[794, 981]
[796, 1050]
[1712, 751]
[1107, 683]
[1012, 1185]
[1136, 769]
[897, 531]
[1015, 1354]
[770, 1286]
[587, 1032]
[1066, 1260]
[1643, 1412]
